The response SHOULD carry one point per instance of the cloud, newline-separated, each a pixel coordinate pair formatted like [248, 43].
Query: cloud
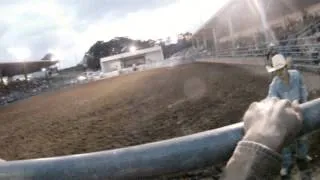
[92, 10]
[71, 27]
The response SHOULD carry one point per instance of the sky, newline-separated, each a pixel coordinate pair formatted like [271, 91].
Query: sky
[67, 28]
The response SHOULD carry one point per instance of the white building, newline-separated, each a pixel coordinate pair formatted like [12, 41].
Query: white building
[127, 60]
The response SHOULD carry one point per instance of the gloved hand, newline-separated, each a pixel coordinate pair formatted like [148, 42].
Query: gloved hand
[272, 122]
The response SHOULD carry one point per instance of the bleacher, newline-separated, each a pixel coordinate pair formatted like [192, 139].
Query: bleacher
[299, 40]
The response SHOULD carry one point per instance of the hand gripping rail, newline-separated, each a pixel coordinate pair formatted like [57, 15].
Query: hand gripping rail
[153, 159]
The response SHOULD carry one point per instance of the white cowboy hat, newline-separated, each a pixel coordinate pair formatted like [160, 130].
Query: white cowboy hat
[278, 62]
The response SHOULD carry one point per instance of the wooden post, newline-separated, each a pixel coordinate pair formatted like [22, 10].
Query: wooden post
[1, 78]
[25, 71]
[215, 42]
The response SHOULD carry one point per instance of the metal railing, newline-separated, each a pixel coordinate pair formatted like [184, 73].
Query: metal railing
[148, 160]
[300, 49]
[308, 28]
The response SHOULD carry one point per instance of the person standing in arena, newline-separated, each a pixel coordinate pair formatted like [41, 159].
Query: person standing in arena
[288, 84]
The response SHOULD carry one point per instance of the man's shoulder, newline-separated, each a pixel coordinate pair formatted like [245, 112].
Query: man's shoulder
[294, 73]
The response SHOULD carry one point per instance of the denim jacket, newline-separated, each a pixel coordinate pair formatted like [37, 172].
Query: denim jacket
[295, 91]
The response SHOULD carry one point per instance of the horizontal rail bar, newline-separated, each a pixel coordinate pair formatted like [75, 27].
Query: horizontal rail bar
[153, 159]
[245, 49]
[305, 60]
[266, 45]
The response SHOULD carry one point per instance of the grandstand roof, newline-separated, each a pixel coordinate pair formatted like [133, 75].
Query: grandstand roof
[17, 68]
[246, 13]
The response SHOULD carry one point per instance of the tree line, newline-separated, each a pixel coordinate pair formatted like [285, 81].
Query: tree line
[120, 45]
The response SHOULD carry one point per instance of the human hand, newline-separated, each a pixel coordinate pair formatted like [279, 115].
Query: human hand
[272, 122]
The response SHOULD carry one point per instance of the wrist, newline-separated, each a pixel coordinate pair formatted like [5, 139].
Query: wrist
[272, 142]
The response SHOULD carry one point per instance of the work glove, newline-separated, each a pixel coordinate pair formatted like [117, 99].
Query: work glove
[272, 122]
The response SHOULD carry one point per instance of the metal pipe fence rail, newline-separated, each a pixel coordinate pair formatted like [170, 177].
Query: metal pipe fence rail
[148, 160]
[267, 44]
[299, 52]
[295, 46]
[311, 27]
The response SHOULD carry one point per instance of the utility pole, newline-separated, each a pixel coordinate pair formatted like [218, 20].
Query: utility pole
[1, 78]
[25, 71]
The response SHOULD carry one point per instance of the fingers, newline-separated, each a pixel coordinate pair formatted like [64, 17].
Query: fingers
[293, 108]
[284, 103]
[297, 109]
[274, 99]
[270, 100]
[264, 105]
[296, 106]
[282, 115]
[249, 115]
[256, 109]
[253, 106]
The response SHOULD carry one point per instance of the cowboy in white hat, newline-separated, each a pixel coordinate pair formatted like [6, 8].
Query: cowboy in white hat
[288, 84]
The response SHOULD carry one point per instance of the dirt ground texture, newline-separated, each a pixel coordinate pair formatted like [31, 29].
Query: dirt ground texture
[134, 109]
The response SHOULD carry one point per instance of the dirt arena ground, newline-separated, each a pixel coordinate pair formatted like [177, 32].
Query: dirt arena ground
[134, 109]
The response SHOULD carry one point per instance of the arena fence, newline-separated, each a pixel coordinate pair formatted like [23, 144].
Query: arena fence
[147, 160]
[309, 29]
[302, 50]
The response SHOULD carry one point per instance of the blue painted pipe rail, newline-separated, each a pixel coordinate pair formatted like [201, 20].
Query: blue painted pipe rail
[153, 159]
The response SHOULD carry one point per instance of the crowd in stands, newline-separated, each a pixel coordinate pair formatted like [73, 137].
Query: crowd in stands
[17, 90]
[298, 38]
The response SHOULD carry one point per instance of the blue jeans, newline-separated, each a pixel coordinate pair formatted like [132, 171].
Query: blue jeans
[300, 147]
